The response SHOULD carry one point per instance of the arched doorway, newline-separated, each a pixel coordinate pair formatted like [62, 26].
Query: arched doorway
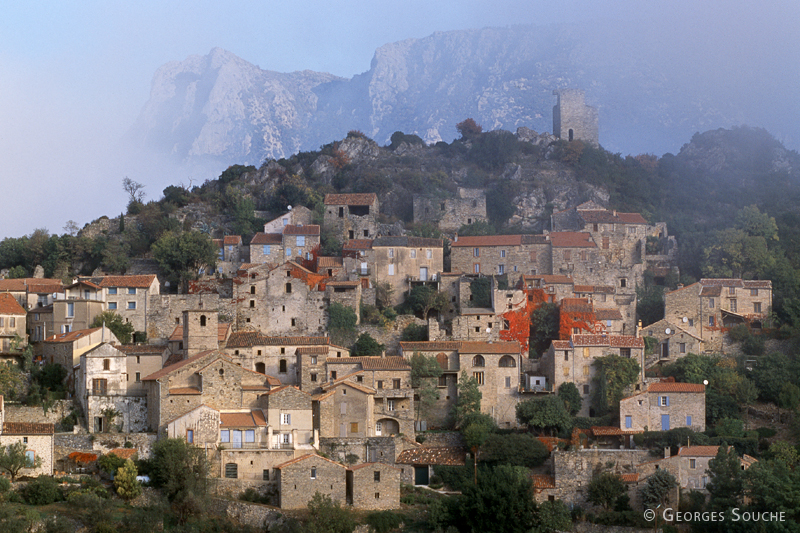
[386, 427]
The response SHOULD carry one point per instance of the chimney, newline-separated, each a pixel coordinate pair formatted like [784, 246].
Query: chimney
[638, 328]
[455, 239]
[680, 285]
[666, 452]
[383, 354]
[614, 212]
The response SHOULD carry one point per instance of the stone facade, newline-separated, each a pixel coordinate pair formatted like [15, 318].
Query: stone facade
[352, 216]
[664, 406]
[374, 486]
[297, 216]
[12, 322]
[65, 349]
[674, 342]
[38, 440]
[165, 312]
[231, 253]
[449, 214]
[573, 119]
[346, 410]
[710, 307]
[301, 478]
[403, 262]
[74, 315]
[501, 254]
[127, 296]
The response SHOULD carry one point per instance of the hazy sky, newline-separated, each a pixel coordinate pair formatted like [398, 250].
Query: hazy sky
[75, 75]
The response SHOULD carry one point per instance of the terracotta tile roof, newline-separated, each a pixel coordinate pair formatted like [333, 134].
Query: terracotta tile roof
[141, 282]
[71, 336]
[698, 451]
[429, 346]
[222, 332]
[48, 287]
[614, 341]
[124, 453]
[10, 306]
[180, 364]
[259, 387]
[611, 217]
[383, 363]
[571, 239]
[248, 339]
[13, 285]
[373, 465]
[543, 481]
[722, 282]
[266, 238]
[551, 443]
[489, 347]
[676, 387]
[562, 345]
[407, 242]
[173, 359]
[232, 240]
[367, 198]
[711, 291]
[185, 391]
[358, 244]
[486, 240]
[237, 420]
[451, 455]
[607, 431]
[291, 229]
[607, 314]
[83, 457]
[305, 457]
[142, 349]
[576, 305]
[757, 284]
[312, 350]
[469, 311]
[630, 478]
[329, 262]
[27, 428]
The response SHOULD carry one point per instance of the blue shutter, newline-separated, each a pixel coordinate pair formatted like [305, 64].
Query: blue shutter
[628, 422]
[667, 401]
[688, 420]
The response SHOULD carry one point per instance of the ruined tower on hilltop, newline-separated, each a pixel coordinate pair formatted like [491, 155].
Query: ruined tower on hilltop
[573, 119]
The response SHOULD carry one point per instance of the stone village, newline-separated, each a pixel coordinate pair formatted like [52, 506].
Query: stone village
[243, 365]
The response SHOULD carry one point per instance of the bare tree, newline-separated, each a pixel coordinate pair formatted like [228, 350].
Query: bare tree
[134, 189]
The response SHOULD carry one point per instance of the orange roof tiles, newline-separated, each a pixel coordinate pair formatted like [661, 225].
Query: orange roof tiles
[350, 199]
[329, 262]
[142, 281]
[232, 240]
[10, 306]
[607, 314]
[27, 428]
[253, 418]
[676, 387]
[576, 305]
[757, 284]
[13, 285]
[124, 453]
[562, 345]
[71, 336]
[571, 239]
[358, 244]
[698, 451]
[543, 481]
[630, 478]
[266, 238]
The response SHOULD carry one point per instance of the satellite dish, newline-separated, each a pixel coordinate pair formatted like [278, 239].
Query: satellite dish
[667, 331]
[289, 207]
[705, 382]
[685, 320]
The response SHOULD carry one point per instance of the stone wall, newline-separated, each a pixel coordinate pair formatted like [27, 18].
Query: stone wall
[368, 450]
[390, 334]
[301, 480]
[165, 312]
[440, 439]
[573, 119]
[22, 413]
[255, 515]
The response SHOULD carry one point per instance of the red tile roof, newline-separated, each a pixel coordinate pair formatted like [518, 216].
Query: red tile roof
[27, 428]
[241, 419]
[676, 387]
[722, 282]
[10, 306]
[329, 262]
[630, 478]
[607, 314]
[571, 239]
[451, 455]
[358, 244]
[381, 363]
[698, 451]
[142, 281]
[350, 199]
[232, 240]
[291, 229]
[180, 364]
[562, 345]
[266, 238]
[13, 285]
[124, 453]
[71, 336]
[543, 481]
[486, 240]
[576, 305]
[614, 341]
[757, 284]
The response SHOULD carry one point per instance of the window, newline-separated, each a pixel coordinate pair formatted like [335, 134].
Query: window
[567, 255]
[99, 386]
[443, 381]
[628, 422]
[390, 270]
[501, 269]
[733, 306]
[286, 419]
[566, 371]
[265, 475]
[301, 240]
[585, 370]
[396, 383]
[566, 356]
[711, 320]
[508, 382]
[353, 427]
[333, 375]
[231, 470]
[225, 435]
[341, 212]
[663, 401]
[112, 306]
[266, 249]
[250, 435]
[625, 352]
[502, 253]
[131, 290]
[282, 366]
[131, 305]
[288, 288]
[476, 252]
[477, 268]
[623, 282]
[478, 377]
[711, 303]
[313, 376]
[586, 389]
[106, 364]
[412, 254]
[391, 252]
[286, 438]
[692, 463]
[688, 421]
[429, 254]
[682, 347]
[691, 322]
[112, 290]
[190, 436]
[380, 384]
[507, 362]
[30, 456]
[138, 377]
[756, 307]
[731, 290]
[478, 360]
[605, 243]
[753, 292]
[70, 310]
[288, 252]
[390, 405]
[376, 476]
[252, 304]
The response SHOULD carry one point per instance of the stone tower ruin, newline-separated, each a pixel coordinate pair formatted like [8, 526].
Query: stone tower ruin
[200, 332]
[573, 119]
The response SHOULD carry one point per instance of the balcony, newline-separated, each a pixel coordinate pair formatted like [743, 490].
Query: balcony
[536, 389]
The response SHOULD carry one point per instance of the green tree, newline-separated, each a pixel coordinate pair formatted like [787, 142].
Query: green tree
[515, 449]
[657, 489]
[726, 480]
[552, 516]
[425, 372]
[14, 457]
[128, 487]
[481, 292]
[182, 255]
[366, 345]
[615, 374]
[180, 470]
[546, 414]
[424, 299]
[468, 400]
[12, 381]
[477, 228]
[569, 394]
[121, 329]
[327, 516]
[544, 328]
[789, 397]
[769, 375]
[501, 502]
[111, 462]
[605, 488]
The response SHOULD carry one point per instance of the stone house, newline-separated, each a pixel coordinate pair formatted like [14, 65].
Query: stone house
[180, 339]
[40, 326]
[345, 409]
[553, 287]
[210, 378]
[332, 267]
[710, 307]
[127, 296]
[446, 354]
[393, 398]
[300, 478]
[501, 254]
[296, 216]
[352, 216]
[141, 360]
[38, 440]
[449, 214]
[66, 349]
[32, 292]
[664, 406]
[419, 464]
[231, 253]
[404, 262]
[267, 248]
[75, 314]
[572, 361]
[301, 242]
[346, 293]
[12, 322]
[358, 262]
[294, 302]
[573, 119]
[673, 341]
[101, 386]
[373, 486]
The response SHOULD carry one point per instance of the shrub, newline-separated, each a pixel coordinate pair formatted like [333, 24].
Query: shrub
[766, 433]
[415, 332]
[384, 521]
[43, 490]
[366, 345]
